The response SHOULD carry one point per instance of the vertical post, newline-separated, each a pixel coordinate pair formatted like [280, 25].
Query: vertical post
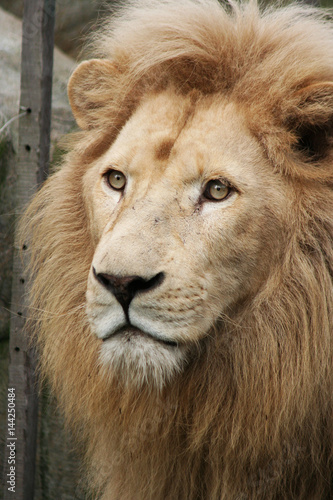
[33, 157]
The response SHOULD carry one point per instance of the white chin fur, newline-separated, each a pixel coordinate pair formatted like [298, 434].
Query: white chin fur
[137, 360]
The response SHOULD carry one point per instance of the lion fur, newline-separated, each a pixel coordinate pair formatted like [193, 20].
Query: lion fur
[251, 418]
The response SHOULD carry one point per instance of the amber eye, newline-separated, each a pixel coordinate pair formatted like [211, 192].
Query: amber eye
[116, 179]
[216, 190]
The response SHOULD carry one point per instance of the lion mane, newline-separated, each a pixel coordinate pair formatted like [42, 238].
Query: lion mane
[250, 416]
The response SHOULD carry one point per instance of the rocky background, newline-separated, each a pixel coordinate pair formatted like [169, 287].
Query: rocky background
[57, 475]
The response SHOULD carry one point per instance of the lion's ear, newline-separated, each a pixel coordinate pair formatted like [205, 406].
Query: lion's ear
[90, 89]
[311, 117]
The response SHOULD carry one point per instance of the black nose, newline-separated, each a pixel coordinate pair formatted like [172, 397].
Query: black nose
[124, 288]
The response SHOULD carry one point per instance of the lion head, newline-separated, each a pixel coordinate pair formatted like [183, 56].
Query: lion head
[182, 259]
[183, 237]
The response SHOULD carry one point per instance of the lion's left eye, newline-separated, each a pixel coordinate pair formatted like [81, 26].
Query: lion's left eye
[116, 179]
[216, 190]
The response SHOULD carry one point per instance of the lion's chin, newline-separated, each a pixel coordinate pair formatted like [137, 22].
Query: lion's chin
[136, 358]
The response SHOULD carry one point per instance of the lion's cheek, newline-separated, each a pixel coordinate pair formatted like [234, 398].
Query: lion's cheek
[240, 255]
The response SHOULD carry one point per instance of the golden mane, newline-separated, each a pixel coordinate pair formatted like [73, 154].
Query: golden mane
[252, 417]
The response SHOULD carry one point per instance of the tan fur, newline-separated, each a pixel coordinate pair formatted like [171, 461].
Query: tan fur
[188, 92]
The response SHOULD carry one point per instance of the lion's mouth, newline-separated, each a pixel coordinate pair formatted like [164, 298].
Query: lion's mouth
[129, 332]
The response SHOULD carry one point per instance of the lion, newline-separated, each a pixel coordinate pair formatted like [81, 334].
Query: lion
[181, 257]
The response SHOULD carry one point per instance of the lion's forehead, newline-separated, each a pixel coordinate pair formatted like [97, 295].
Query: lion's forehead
[171, 138]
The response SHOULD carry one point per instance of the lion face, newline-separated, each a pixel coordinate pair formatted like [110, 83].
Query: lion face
[179, 210]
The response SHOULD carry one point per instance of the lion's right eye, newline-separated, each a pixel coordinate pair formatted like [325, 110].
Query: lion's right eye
[116, 179]
[217, 190]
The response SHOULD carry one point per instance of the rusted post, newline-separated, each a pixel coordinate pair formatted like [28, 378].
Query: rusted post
[33, 156]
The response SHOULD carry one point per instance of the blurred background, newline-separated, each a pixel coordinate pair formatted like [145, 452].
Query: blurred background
[57, 475]
[75, 18]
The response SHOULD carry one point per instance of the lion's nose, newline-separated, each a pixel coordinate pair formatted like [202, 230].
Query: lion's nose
[124, 288]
